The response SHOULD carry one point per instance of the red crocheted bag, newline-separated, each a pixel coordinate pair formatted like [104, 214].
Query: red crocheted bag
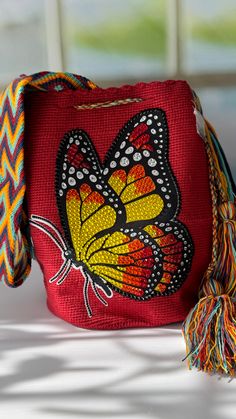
[124, 191]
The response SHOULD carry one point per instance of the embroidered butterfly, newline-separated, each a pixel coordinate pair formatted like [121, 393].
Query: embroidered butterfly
[119, 216]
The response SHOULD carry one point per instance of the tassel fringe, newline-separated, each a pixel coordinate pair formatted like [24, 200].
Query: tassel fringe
[210, 335]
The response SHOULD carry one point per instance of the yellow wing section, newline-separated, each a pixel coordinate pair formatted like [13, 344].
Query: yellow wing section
[137, 192]
[123, 261]
[87, 215]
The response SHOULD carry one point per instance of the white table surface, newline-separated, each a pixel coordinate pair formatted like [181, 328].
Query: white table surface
[51, 369]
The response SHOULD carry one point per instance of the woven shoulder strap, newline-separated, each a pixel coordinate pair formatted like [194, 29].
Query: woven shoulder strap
[15, 245]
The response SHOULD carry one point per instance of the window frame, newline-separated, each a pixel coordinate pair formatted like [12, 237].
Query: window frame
[56, 56]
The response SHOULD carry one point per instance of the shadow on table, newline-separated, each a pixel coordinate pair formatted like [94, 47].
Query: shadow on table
[205, 402]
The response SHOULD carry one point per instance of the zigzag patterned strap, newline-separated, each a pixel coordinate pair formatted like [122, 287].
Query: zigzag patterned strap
[15, 245]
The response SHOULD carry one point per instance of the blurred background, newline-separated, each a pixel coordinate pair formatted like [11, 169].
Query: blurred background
[48, 368]
[118, 42]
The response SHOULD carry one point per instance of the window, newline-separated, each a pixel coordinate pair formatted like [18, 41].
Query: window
[22, 38]
[115, 40]
[219, 106]
[209, 29]
[119, 42]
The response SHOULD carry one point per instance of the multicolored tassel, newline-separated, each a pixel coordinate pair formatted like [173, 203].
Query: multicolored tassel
[210, 327]
[210, 334]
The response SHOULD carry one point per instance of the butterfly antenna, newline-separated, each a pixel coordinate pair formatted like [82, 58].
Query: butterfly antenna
[48, 223]
[49, 234]
[85, 290]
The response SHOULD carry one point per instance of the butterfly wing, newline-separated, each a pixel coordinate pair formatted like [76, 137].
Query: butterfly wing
[83, 197]
[141, 263]
[129, 260]
[137, 169]
[176, 248]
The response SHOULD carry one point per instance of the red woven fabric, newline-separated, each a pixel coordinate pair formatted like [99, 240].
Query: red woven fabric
[48, 116]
